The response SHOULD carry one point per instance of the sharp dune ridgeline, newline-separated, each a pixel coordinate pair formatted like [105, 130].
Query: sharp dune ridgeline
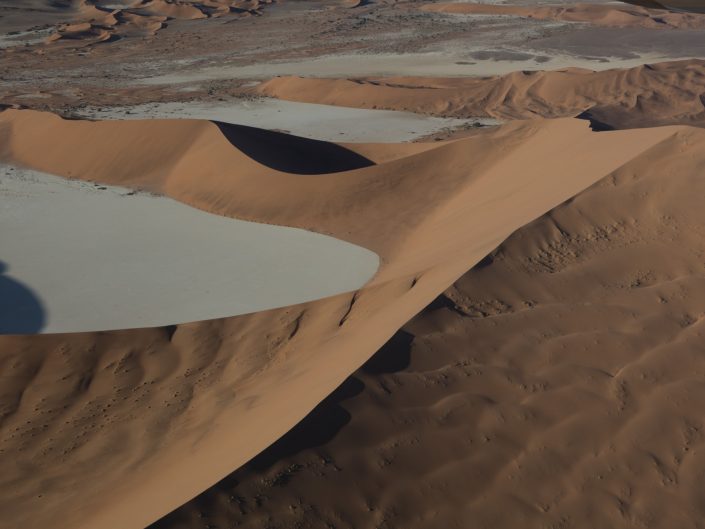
[201, 399]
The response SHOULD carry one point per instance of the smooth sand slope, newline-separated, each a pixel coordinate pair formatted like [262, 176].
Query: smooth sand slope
[657, 94]
[102, 258]
[557, 384]
[115, 429]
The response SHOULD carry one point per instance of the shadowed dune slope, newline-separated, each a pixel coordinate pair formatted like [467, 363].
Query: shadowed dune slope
[292, 154]
[115, 429]
[557, 384]
[651, 95]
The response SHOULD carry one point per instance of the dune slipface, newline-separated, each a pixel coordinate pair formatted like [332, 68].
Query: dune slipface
[111, 422]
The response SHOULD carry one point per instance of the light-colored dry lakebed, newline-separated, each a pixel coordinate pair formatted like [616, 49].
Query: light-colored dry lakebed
[78, 256]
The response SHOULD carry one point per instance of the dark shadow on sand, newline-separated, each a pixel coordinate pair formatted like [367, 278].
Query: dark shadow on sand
[393, 356]
[21, 311]
[291, 154]
[598, 123]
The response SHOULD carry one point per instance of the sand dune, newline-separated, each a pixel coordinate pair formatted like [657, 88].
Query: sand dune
[104, 426]
[610, 15]
[557, 384]
[650, 95]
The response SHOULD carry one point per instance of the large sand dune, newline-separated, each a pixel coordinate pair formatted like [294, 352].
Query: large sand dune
[557, 384]
[115, 429]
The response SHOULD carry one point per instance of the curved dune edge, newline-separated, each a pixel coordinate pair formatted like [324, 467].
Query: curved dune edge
[648, 95]
[115, 429]
[616, 15]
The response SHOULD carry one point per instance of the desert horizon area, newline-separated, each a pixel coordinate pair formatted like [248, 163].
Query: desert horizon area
[352, 264]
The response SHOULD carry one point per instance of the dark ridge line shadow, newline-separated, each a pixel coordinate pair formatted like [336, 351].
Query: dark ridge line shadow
[596, 124]
[393, 356]
[291, 154]
[21, 310]
[318, 428]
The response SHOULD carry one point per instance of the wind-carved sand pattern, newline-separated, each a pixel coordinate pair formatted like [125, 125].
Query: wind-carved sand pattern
[120, 259]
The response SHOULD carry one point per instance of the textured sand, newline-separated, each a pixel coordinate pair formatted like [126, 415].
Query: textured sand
[201, 399]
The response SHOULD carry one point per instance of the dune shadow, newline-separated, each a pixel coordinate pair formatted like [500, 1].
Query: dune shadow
[598, 122]
[291, 154]
[21, 311]
[393, 356]
[316, 430]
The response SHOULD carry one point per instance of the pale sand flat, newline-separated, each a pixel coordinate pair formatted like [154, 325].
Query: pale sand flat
[101, 258]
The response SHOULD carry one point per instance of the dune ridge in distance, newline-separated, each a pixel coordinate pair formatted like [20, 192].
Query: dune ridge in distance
[651, 95]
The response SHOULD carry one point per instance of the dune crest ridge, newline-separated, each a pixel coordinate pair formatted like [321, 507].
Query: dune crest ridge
[201, 399]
